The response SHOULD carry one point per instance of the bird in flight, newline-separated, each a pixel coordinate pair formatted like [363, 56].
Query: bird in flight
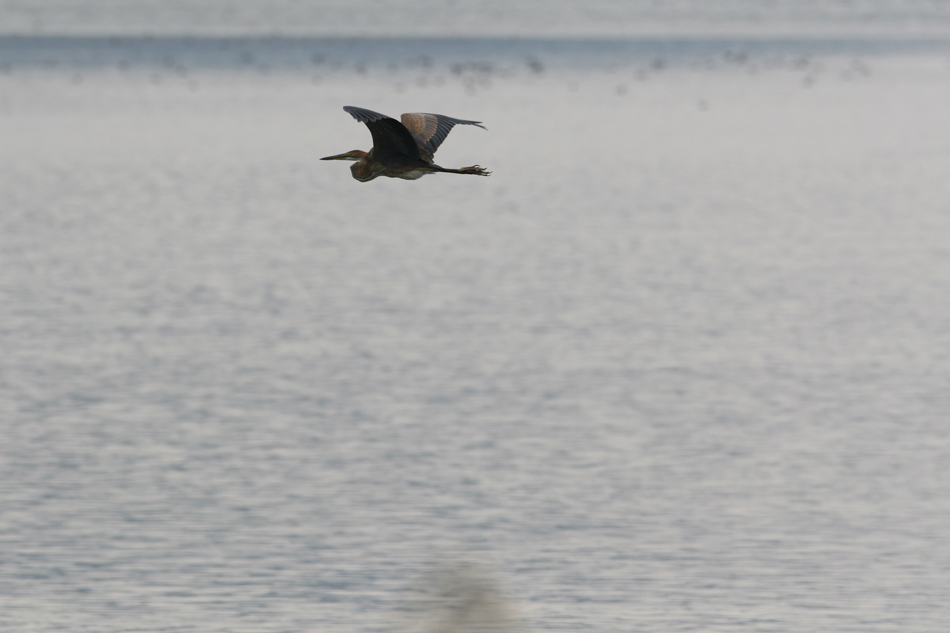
[403, 150]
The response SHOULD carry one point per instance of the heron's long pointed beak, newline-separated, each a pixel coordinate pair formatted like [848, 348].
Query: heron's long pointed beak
[337, 157]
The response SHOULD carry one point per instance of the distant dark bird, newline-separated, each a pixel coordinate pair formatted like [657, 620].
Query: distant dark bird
[403, 150]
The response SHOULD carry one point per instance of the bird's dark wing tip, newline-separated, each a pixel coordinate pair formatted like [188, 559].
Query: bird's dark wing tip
[363, 115]
[454, 121]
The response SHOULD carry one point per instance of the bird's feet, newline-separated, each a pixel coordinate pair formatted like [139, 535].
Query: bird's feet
[476, 170]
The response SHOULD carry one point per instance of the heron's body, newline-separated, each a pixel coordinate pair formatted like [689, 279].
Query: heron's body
[403, 149]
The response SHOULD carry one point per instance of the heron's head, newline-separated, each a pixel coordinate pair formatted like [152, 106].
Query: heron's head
[356, 154]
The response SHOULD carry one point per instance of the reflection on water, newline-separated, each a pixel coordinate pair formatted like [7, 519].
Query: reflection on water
[459, 595]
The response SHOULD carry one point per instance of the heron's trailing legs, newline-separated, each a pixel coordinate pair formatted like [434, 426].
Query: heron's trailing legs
[475, 170]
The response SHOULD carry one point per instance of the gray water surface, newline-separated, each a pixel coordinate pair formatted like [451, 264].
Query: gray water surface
[680, 364]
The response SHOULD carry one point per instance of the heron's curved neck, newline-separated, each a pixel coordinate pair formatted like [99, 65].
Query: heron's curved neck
[365, 169]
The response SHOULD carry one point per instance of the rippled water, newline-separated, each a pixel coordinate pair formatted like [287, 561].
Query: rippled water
[680, 364]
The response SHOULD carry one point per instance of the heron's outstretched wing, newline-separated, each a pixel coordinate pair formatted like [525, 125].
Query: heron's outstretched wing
[390, 137]
[429, 130]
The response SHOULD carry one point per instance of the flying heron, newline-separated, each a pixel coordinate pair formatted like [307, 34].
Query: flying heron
[403, 150]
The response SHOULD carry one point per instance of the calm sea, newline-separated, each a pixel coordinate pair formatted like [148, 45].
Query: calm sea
[682, 363]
